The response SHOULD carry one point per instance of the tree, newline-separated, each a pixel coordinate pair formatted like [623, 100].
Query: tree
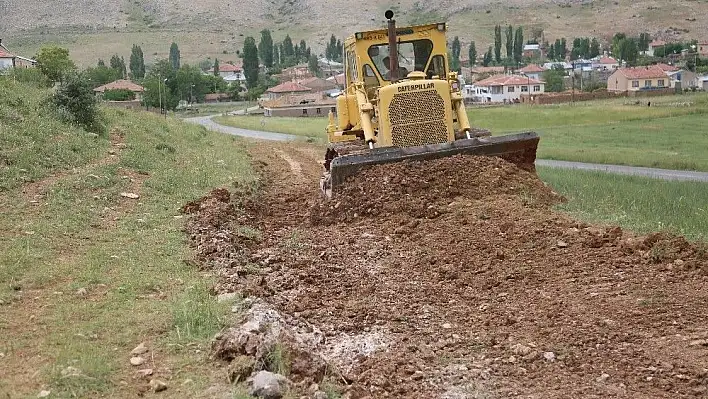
[157, 93]
[643, 42]
[265, 48]
[216, 67]
[487, 57]
[691, 62]
[554, 78]
[339, 56]
[497, 43]
[563, 48]
[314, 66]
[174, 56]
[552, 53]
[303, 49]
[276, 56]
[625, 49]
[472, 54]
[518, 44]
[118, 64]
[137, 62]
[594, 48]
[250, 62]
[54, 62]
[100, 75]
[510, 42]
[288, 50]
[455, 59]
[331, 49]
[76, 103]
[101, 63]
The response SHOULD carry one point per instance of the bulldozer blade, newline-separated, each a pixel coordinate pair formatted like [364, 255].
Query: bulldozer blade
[518, 148]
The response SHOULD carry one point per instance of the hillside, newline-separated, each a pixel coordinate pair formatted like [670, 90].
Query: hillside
[93, 28]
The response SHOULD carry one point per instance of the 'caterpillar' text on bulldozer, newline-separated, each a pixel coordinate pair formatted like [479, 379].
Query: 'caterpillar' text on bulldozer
[402, 102]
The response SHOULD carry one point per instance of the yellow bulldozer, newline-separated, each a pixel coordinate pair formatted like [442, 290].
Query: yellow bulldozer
[402, 102]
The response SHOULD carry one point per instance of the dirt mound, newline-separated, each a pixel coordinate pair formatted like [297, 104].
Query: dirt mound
[459, 282]
[421, 188]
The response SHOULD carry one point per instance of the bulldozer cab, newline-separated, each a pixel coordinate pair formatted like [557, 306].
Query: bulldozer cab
[420, 48]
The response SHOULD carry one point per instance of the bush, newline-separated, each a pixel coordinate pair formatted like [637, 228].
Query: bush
[118, 95]
[31, 76]
[75, 102]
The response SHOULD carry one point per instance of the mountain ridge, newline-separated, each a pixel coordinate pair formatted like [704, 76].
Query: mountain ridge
[94, 29]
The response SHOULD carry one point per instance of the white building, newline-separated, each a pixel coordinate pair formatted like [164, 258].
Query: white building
[505, 88]
[7, 60]
[230, 72]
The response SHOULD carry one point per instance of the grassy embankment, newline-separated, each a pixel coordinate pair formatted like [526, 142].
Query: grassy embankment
[87, 274]
[670, 134]
[638, 204]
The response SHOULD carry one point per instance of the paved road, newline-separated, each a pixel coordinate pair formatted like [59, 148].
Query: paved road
[208, 123]
[664, 174]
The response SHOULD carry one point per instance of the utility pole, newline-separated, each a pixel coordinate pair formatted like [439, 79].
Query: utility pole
[159, 90]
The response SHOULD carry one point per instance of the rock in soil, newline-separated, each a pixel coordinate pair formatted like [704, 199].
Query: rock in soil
[267, 385]
[137, 360]
[140, 349]
[157, 385]
[240, 369]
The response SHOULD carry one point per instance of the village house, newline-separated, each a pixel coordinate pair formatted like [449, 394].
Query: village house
[285, 89]
[329, 67]
[230, 72]
[338, 80]
[653, 46]
[320, 85]
[703, 49]
[121, 84]
[532, 50]
[9, 60]
[604, 63]
[296, 72]
[567, 66]
[533, 71]
[505, 88]
[638, 78]
[481, 72]
[684, 79]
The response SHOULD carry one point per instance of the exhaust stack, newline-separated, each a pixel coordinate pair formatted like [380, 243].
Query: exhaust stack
[392, 47]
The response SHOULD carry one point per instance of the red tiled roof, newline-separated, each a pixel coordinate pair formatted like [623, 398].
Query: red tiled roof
[120, 85]
[5, 54]
[229, 68]
[532, 68]
[657, 43]
[607, 60]
[307, 81]
[487, 69]
[507, 80]
[647, 72]
[338, 79]
[667, 67]
[288, 87]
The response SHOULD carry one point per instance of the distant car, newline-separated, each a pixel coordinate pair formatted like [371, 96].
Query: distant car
[335, 94]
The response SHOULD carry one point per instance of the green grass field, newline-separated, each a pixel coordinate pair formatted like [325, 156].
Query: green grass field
[638, 204]
[669, 134]
[307, 127]
[86, 274]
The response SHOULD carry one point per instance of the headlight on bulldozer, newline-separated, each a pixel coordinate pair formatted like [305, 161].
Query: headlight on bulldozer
[455, 86]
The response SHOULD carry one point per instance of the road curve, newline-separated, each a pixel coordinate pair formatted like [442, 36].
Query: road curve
[208, 123]
[664, 174]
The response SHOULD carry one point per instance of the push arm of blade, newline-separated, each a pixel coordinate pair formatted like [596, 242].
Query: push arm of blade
[462, 116]
[365, 111]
